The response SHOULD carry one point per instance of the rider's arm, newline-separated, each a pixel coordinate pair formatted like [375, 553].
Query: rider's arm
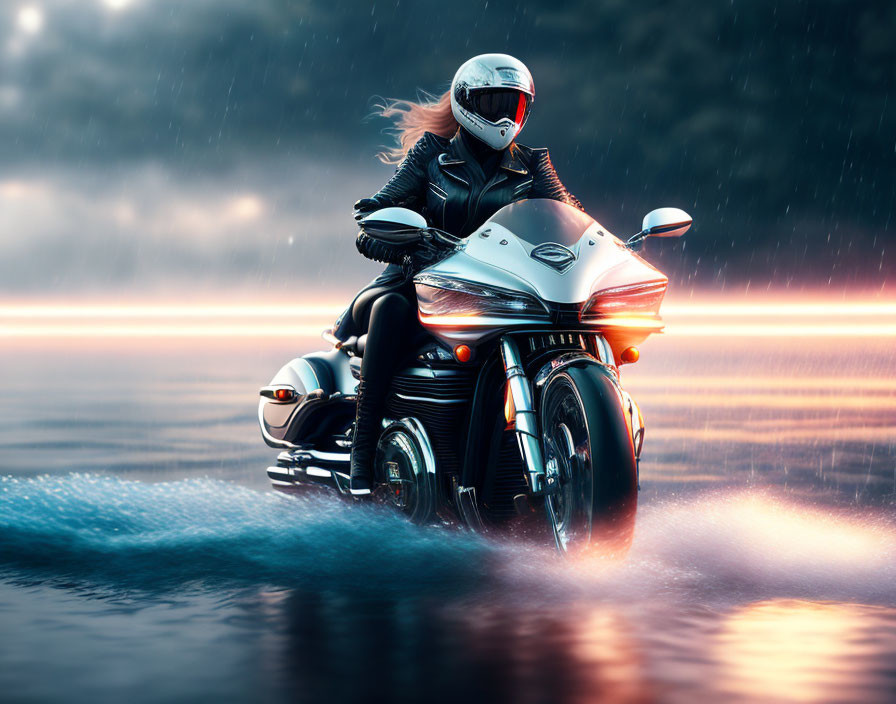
[407, 188]
[546, 183]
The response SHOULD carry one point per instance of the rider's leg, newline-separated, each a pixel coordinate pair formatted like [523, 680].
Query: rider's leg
[353, 322]
[387, 339]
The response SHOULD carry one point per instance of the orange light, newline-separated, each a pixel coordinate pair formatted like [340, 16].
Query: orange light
[653, 324]
[630, 355]
[509, 408]
[283, 394]
[463, 353]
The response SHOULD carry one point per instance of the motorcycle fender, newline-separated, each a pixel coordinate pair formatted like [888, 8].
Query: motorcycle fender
[633, 418]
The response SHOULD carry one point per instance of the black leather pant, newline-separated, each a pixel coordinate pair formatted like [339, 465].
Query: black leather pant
[389, 324]
[384, 310]
[388, 336]
[354, 321]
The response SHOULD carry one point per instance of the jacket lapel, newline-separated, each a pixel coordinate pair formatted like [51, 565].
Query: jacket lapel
[452, 160]
[511, 166]
[512, 163]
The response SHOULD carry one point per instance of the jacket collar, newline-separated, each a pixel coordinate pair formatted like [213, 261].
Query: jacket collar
[511, 161]
[456, 154]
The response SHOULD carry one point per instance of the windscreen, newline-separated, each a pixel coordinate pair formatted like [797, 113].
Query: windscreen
[541, 220]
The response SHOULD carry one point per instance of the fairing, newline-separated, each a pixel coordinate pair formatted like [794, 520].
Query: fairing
[546, 249]
[500, 253]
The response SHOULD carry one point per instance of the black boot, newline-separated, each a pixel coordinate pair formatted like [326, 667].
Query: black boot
[390, 319]
[367, 423]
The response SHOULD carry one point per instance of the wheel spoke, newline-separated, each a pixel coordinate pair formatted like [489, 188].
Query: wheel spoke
[583, 426]
[565, 432]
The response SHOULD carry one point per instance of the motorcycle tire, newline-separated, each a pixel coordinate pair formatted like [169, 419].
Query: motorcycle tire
[588, 447]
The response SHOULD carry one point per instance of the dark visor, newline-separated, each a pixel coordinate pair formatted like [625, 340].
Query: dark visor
[495, 104]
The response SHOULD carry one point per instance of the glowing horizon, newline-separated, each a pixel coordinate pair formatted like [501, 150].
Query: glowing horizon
[763, 318]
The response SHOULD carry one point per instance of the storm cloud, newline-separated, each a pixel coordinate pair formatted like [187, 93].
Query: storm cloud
[773, 123]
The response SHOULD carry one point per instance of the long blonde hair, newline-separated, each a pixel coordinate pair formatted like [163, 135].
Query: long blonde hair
[428, 114]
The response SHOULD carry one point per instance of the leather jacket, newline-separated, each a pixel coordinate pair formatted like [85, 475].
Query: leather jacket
[443, 180]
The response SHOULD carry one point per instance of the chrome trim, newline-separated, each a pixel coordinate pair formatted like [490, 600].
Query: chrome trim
[554, 255]
[428, 494]
[604, 350]
[559, 363]
[526, 419]
[302, 456]
[302, 476]
[270, 393]
[423, 399]
[329, 456]
[429, 455]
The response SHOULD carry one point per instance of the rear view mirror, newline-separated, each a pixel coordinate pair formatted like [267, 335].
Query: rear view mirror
[665, 222]
[393, 224]
[662, 222]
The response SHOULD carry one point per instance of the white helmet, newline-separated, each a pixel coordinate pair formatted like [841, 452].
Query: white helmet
[490, 97]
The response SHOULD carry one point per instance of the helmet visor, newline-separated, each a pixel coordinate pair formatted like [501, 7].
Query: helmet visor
[495, 104]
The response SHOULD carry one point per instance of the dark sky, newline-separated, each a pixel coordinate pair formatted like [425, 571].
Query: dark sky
[165, 143]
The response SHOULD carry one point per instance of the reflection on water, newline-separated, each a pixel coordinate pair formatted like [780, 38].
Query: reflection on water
[290, 589]
[489, 652]
[806, 651]
[151, 562]
[495, 651]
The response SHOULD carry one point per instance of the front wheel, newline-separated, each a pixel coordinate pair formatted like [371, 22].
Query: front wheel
[589, 453]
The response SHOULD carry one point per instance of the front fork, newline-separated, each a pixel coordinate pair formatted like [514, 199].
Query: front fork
[544, 477]
[526, 418]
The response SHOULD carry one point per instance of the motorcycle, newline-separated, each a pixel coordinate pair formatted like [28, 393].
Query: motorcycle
[509, 410]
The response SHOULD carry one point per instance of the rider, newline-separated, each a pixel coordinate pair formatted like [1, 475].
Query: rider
[458, 166]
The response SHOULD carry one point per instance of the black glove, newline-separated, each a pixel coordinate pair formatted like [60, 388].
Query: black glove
[365, 207]
[429, 250]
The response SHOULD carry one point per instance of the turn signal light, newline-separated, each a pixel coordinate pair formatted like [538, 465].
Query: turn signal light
[463, 353]
[284, 394]
[630, 355]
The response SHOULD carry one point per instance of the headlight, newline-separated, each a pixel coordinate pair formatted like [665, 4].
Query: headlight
[638, 300]
[442, 296]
